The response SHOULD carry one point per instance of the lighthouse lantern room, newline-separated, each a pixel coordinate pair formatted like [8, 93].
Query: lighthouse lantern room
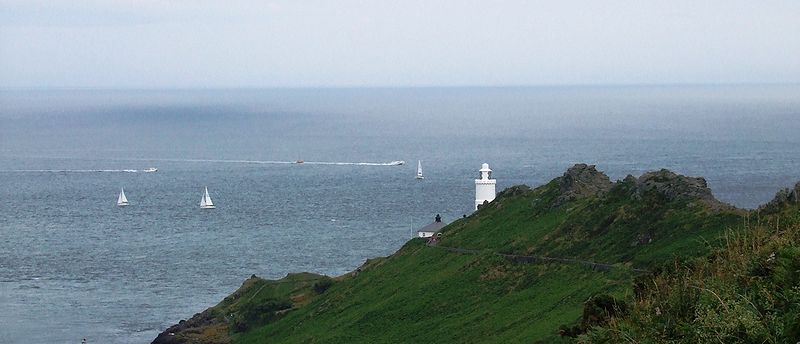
[485, 186]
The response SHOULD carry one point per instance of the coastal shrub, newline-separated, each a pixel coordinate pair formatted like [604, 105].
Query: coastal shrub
[254, 314]
[322, 285]
[748, 291]
[786, 278]
[598, 310]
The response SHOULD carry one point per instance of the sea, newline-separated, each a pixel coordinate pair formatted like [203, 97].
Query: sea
[73, 265]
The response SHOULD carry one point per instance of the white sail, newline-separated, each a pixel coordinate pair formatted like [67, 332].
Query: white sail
[122, 200]
[419, 169]
[206, 202]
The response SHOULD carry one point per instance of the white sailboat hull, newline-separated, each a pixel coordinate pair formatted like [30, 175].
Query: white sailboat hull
[205, 202]
[122, 200]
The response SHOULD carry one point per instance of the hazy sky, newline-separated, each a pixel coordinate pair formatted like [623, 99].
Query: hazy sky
[198, 43]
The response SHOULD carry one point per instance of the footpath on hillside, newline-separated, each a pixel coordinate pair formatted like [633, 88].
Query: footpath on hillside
[522, 259]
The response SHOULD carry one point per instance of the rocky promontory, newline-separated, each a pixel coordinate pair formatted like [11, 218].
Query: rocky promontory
[465, 289]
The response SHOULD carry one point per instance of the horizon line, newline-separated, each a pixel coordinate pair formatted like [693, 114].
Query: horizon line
[354, 87]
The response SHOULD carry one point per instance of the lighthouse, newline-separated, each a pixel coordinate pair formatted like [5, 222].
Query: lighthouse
[484, 187]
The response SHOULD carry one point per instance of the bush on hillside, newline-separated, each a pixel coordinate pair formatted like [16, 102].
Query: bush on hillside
[322, 285]
[598, 310]
[253, 314]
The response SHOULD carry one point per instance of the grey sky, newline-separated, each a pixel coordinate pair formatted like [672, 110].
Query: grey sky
[198, 43]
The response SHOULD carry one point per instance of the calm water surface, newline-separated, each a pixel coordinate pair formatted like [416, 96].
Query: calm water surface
[73, 265]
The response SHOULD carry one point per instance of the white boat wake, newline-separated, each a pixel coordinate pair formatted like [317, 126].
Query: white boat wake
[265, 162]
[391, 163]
[153, 169]
[73, 171]
[146, 170]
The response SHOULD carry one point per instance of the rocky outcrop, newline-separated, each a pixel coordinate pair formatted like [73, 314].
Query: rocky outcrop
[584, 181]
[674, 187]
[581, 181]
[782, 199]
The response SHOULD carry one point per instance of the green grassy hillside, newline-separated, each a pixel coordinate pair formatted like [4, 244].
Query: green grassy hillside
[624, 224]
[430, 294]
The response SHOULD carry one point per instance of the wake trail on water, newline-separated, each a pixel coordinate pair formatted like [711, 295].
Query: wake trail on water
[262, 162]
[266, 162]
[71, 171]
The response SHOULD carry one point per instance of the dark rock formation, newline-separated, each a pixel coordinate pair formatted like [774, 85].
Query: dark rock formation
[674, 187]
[782, 199]
[582, 181]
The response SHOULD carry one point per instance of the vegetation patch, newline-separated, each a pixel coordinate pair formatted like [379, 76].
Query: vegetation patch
[747, 291]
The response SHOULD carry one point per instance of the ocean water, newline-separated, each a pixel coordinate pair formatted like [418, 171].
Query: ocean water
[74, 266]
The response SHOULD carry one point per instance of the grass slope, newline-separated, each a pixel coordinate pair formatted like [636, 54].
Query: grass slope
[619, 226]
[427, 295]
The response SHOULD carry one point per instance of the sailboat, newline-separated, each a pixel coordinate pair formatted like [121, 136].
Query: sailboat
[205, 202]
[122, 200]
[419, 170]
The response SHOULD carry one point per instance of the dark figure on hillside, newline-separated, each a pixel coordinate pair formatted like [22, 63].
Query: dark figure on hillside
[438, 218]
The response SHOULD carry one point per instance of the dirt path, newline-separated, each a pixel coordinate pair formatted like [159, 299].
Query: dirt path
[542, 260]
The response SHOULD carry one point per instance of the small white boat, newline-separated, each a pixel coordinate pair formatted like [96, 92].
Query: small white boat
[122, 200]
[419, 170]
[205, 202]
[150, 170]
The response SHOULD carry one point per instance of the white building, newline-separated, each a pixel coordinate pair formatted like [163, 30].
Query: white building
[485, 186]
[431, 229]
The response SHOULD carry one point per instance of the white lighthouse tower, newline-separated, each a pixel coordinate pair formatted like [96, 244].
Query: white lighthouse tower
[484, 187]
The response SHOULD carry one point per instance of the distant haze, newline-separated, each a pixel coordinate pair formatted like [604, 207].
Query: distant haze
[208, 44]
